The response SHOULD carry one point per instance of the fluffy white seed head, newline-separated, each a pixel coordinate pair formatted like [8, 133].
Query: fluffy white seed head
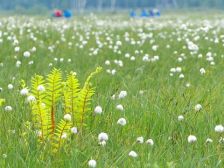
[122, 94]
[92, 163]
[191, 139]
[26, 54]
[24, 91]
[10, 86]
[198, 107]
[122, 121]
[219, 128]
[202, 71]
[150, 142]
[180, 118]
[140, 139]
[41, 88]
[8, 108]
[31, 98]
[120, 107]
[67, 117]
[133, 154]
[102, 136]
[74, 130]
[98, 110]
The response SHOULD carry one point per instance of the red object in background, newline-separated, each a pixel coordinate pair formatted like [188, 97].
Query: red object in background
[58, 13]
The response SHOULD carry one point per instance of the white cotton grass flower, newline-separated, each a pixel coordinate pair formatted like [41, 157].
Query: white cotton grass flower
[18, 64]
[173, 70]
[121, 121]
[103, 137]
[202, 71]
[10, 86]
[181, 76]
[41, 88]
[30, 62]
[191, 139]
[24, 92]
[98, 110]
[140, 140]
[119, 107]
[178, 69]
[122, 94]
[219, 128]
[141, 92]
[180, 118]
[61, 59]
[127, 55]
[188, 85]
[150, 142]
[67, 117]
[107, 62]
[113, 71]
[132, 58]
[92, 163]
[198, 107]
[74, 130]
[133, 154]
[38, 133]
[33, 49]
[16, 49]
[31, 98]
[4, 155]
[64, 136]
[209, 140]
[8, 108]
[26, 54]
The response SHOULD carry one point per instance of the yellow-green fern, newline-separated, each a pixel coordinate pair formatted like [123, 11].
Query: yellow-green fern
[53, 93]
[41, 118]
[71, 93]
[84, 100]
[62, 132]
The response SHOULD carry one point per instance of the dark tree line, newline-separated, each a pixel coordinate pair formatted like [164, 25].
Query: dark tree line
[108, 4]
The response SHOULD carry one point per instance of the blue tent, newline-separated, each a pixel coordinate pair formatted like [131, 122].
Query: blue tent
[133, 14]
[144, 13]
[67, 13]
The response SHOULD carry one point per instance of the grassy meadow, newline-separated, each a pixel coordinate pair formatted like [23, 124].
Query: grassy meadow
[162, 76]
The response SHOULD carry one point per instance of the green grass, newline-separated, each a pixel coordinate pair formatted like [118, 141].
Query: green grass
[152, 114]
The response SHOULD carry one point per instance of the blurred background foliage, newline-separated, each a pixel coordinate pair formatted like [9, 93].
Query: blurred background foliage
[107, 4]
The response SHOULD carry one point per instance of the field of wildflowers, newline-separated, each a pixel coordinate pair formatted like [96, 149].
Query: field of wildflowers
[108, 92]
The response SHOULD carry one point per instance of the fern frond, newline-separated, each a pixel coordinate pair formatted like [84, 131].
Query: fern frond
[22, 84]
[41, 120]
[71, 92]
[62, 132]
[36, 81]
[84, 100]
[53, 93]
[98, 70]
[84, 103]
[40, 114]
